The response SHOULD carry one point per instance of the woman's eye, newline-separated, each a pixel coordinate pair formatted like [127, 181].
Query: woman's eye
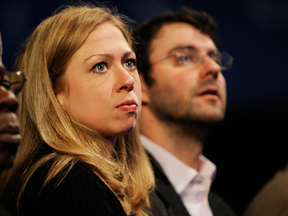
[100, 67]
[130, 63]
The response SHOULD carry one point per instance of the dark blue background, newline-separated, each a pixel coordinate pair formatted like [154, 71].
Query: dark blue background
[250, 145]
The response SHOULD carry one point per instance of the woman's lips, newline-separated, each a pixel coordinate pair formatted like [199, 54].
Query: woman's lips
[128, 106]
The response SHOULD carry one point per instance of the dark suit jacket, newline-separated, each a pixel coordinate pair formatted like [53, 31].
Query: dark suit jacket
[172, 202]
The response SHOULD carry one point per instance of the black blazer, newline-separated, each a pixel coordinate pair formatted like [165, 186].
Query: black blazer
[172, 202]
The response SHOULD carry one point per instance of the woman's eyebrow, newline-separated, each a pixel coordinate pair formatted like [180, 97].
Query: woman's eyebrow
[127, 54]
[107, 55]
[101, 54]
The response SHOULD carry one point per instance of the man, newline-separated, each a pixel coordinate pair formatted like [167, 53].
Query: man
[9, 127]
[183, 96]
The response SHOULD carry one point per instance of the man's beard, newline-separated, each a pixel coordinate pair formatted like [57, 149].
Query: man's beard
[172, 109]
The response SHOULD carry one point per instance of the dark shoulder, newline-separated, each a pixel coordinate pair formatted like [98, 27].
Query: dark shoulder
[218, 206]
[272, 199]
[80, 193]
[3, 212]
[82, 170]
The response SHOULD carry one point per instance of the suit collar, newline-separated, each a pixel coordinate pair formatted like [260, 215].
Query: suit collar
[166, 192]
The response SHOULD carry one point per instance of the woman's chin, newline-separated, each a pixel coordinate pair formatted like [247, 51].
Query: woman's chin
[119, 130]
[127, 129]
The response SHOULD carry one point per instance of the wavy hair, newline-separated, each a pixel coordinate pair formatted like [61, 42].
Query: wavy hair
[44, 59]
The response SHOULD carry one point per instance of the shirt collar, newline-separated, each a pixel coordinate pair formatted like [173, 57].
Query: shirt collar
[178, 173]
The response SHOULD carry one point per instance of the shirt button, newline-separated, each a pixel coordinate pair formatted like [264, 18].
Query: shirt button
[198, 179]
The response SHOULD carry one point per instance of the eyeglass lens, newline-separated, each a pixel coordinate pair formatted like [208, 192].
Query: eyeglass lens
[12, 81]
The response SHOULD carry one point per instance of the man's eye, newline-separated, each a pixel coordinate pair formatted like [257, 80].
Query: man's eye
[100, 67]
[217, 59]
[185, 59]
[216, 56]
[6, 84]
[130, 63]
[5, 81]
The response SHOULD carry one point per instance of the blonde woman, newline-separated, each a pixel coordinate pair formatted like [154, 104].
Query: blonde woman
[80, 153]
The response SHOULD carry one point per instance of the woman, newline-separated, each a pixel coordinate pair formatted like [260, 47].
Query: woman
[80, 154]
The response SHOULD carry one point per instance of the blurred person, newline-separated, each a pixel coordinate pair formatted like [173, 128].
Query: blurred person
[80, 151]
[272, 199]
[183, 97]
[9, 126]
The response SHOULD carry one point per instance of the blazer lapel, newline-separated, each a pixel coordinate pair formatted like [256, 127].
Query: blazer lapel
[166, 192]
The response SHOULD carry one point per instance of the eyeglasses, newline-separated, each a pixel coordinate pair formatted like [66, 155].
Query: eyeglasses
[12, 81]
[192, 57]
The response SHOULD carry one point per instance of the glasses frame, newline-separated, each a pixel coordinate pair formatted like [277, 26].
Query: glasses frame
[6, 82]
[182, 53]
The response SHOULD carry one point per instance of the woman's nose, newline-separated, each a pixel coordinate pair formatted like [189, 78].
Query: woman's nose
[125, 81]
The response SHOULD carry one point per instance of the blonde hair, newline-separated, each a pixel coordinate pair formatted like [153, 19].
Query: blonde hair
[44, 60]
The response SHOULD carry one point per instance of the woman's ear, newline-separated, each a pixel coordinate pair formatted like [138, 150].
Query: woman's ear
[144, 90]
[62, 99]
[61, 92]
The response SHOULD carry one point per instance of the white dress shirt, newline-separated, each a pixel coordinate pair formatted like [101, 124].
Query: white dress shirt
[192, 186]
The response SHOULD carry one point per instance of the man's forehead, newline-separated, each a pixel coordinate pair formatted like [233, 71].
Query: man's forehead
[174, 35]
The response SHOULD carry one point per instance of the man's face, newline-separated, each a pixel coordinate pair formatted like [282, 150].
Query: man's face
[185, 92]
[9, 126]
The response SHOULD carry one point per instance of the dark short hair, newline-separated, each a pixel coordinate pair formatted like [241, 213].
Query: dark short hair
[144, 33]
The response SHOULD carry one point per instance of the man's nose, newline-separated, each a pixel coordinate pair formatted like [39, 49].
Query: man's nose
[8, 101]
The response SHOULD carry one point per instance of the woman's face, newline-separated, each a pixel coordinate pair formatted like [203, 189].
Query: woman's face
[102, 87]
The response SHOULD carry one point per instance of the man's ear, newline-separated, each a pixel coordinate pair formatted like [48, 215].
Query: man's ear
[144, 90]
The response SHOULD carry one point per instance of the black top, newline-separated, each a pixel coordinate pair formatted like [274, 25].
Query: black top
[3, 212]
[80, 193]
